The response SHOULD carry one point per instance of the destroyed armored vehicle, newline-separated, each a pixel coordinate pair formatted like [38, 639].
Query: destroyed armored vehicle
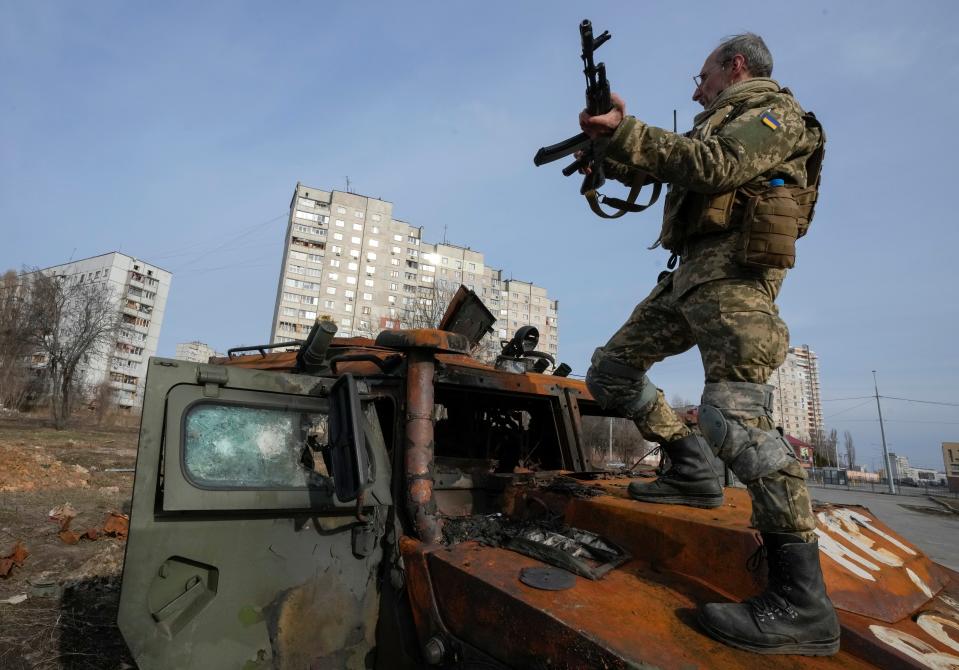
[399, 504]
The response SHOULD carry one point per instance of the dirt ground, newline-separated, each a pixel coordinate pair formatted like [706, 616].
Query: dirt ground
[68, 619]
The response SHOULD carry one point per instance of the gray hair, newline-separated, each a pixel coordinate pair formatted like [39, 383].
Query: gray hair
[759, 61]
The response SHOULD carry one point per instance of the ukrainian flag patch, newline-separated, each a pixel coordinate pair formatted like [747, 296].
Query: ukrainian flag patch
[769, 120]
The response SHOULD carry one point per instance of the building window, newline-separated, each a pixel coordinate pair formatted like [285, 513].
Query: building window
[341, 210]
[340, 223]
[331, 290]
[367, 296]
[352, 266]
[374, 243]
[309, 216]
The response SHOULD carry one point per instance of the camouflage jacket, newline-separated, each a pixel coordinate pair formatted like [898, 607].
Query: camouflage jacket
[753, 132]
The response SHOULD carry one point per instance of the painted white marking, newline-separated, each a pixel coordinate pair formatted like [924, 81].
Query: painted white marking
[917, 580]
[950, 602]
[936, 626]
[865, 521]
[845, 527]
[916, 649]
[841, 554]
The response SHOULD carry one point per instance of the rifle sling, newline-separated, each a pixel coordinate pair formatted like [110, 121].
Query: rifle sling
[623, 206]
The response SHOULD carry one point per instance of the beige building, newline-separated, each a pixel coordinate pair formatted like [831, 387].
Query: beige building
[950, 463]
[797, 399]
[196, 352]
[140, 291]
[347, 259]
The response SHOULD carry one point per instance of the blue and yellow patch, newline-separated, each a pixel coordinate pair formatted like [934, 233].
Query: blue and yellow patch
[769, 120]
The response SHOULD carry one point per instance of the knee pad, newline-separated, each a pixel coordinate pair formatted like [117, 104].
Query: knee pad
[750, 452]
[618, 386]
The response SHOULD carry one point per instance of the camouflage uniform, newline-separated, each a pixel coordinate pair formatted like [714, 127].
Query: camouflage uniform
[753, 132]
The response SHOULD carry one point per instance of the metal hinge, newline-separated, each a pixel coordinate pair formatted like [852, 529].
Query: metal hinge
[212, 377]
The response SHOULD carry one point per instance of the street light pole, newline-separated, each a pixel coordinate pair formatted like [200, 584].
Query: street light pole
[882, 432]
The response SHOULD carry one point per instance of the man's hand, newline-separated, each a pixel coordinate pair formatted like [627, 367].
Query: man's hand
[604, 124]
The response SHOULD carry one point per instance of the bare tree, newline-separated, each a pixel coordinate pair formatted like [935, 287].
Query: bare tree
[15, 349]
[832, 443]
[850, 449]
[425, 309]
[627, 444]
[71, 323]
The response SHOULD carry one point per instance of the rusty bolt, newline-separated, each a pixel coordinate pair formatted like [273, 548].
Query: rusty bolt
[434, 650]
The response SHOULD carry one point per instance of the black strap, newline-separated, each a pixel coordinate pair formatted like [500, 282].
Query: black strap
[623, 206]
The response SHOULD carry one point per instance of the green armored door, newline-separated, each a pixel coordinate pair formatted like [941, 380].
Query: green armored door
[239, 554]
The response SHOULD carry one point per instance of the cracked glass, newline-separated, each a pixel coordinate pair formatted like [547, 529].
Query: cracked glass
[231, 446]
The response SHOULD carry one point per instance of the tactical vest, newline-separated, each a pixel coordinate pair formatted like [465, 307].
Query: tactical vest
[769, 219]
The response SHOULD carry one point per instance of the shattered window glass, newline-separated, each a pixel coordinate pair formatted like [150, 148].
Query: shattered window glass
[233, 446]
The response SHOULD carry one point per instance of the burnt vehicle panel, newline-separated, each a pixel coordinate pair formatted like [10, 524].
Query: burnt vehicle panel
[466, 477]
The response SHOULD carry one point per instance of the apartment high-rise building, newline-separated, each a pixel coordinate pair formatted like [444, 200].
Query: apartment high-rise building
[347, 259]
[140, 291]
[196, 352]
[797, 399]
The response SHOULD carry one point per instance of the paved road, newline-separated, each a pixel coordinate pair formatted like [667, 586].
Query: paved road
[935, 534]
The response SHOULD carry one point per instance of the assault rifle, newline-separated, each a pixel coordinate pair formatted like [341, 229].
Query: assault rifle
[593, 152]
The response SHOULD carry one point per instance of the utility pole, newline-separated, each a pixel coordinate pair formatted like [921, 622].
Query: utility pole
[610, 458]
[882, 432]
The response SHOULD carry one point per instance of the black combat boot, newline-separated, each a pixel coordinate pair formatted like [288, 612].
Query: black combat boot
[793, 616]
[690, 480]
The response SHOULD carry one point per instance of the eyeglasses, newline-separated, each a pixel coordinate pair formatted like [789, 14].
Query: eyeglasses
[700, 78]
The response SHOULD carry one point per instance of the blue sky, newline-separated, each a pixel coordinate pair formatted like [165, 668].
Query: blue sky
[176, 132]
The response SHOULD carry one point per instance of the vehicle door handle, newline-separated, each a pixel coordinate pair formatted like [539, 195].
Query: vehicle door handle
[195, 588]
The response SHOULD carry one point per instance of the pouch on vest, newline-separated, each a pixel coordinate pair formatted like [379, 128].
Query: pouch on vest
[769, 230]
[806, 198]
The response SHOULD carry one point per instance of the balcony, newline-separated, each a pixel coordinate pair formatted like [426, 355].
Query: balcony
[142, 299]
[127, 356]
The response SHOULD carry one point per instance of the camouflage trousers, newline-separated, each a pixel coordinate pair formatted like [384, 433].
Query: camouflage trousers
[736, 326]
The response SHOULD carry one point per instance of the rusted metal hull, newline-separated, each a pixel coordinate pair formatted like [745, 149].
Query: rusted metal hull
[643, 614]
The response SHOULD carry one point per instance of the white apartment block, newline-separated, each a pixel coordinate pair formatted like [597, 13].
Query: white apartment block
[797, 400]
[195, 352]
[140, 291]
[348, 260]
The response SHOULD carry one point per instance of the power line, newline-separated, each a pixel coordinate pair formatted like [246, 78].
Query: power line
[934, 423]
[924, 402]
[849, 409]
[858, 397]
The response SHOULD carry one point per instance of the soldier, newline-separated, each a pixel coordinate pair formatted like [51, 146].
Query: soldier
[742, 185]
